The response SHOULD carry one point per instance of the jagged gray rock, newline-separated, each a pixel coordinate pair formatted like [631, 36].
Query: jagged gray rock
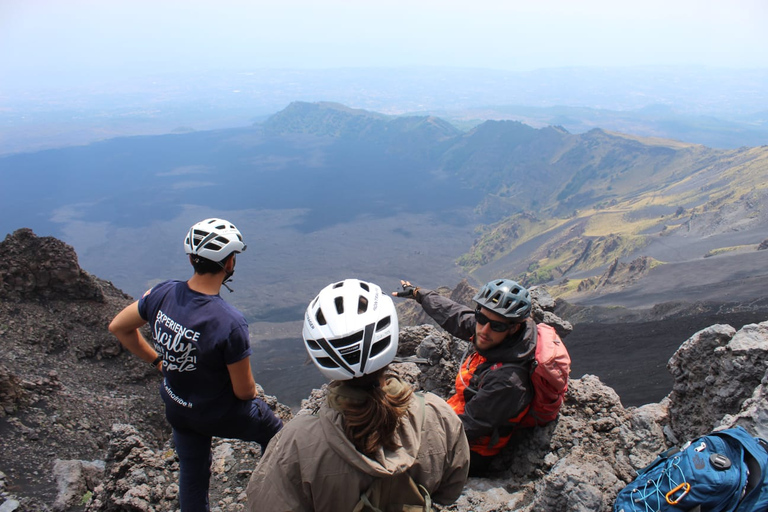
[64, 380]
[43, 267]
[142, 478]
[138, 477]
[441, 350]
[543, 311]
[577, 463]
[9, 505]
[73, 479]
[714, 372]
[753, 415]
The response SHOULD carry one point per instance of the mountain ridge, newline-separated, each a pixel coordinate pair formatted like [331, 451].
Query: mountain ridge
[713, 106]
[583, 200]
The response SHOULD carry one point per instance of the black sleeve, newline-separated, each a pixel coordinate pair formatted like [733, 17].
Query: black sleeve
[504, 394]
[457, 319]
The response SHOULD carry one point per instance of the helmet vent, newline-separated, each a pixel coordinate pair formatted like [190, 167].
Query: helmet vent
[362, 305]
[320, 317]
[313, 344]
[339, 301]
[364, 286]
[380, 346]
[347, 340]
[383, 323]
[326, 362]
[338, 285]
[216, 244]
[352, 358]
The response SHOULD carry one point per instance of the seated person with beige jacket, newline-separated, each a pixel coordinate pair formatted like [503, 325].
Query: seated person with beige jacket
[372, 428]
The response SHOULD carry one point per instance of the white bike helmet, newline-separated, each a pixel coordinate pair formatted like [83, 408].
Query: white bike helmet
[213, 239]
[350, 329]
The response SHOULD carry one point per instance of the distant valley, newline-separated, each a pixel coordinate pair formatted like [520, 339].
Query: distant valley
[323, 192]
[324, 182]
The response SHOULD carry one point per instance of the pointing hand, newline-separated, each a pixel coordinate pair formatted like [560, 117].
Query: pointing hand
[409, 290]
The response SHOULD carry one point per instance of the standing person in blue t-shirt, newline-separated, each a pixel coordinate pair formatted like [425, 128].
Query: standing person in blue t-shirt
[201, 345]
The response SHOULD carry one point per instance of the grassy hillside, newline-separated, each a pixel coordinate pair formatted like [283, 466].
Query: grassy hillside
[624, 194]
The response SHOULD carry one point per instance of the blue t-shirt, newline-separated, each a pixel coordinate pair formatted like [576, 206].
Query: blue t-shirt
[197, 336]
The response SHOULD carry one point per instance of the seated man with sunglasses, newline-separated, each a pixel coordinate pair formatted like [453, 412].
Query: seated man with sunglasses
[493, 387]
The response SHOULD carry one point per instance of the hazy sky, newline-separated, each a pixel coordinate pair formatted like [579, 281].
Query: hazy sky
[51, 42]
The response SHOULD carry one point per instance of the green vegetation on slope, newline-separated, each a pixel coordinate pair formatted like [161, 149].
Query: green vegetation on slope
[615, 194]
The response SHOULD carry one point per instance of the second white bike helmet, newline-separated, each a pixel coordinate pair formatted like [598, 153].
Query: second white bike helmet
[351, 329]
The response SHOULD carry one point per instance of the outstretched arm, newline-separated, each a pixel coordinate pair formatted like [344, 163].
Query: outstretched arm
[455, 318]
[125, 326]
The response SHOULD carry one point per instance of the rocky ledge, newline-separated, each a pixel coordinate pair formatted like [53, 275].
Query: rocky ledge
[81, 426]
[578, 463]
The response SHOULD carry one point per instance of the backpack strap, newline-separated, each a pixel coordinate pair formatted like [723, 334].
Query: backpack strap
[365, 503]
[427, 498]
[377, 488]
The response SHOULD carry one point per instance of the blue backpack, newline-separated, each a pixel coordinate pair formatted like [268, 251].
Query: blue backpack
[724, 471]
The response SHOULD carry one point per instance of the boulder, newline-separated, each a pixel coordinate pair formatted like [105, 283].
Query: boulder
[715, 372]
[43, 267]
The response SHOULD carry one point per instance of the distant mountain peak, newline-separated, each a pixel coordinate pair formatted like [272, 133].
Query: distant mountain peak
[328, 119]
[304, 107]
[321, 119]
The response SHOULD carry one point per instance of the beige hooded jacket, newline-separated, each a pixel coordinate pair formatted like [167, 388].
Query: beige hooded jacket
[310, 465]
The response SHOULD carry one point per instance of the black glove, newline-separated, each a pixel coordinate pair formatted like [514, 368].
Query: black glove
[409, 291]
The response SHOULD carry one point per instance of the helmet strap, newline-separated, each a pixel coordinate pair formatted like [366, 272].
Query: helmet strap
[228, 273]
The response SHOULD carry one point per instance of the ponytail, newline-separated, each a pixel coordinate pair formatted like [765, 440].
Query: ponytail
[371, 418]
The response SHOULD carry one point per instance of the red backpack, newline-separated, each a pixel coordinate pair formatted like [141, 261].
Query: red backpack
[549, 376]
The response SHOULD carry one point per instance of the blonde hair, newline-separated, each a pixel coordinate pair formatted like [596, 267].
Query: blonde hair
[370, 423]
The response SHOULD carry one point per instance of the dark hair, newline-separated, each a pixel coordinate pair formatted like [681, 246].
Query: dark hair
[206, 266]
[371, 424]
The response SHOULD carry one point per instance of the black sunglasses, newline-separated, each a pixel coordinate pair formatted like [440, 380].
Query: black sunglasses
[496, 326]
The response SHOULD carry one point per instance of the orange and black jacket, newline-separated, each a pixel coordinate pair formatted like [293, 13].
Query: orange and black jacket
[493, 388]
